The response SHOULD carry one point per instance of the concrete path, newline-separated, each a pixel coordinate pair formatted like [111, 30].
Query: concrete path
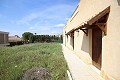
[79, 70]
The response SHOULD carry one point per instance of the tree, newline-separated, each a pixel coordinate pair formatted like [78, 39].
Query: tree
[27, 35]
[32, 38]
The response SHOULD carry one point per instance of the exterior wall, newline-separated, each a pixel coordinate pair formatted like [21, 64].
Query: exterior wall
[4, 38]
[81, 46]
[69, 42]
[89, 8]
[110, 43]
[64, 38]
[1, 38]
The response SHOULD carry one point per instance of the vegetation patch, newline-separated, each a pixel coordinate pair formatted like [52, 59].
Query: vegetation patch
[36, 74]
[15, 61]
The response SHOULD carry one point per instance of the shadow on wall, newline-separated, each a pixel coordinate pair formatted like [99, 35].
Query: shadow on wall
[71, 41]
[85, 43]
[118, 2]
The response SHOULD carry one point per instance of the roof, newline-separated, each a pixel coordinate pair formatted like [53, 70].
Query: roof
[92, 20]
[4, 32]
[14, 38]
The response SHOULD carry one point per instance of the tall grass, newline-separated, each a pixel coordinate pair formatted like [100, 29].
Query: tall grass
[14, 61]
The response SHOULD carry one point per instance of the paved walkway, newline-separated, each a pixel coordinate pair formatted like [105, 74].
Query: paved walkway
[79, 70]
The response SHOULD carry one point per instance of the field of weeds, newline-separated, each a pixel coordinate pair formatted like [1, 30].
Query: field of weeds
[15, 61]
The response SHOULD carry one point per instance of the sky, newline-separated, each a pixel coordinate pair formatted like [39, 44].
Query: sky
[36, 16]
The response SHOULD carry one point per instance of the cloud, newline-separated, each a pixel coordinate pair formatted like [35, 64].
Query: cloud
[25, 20]
[54, 12]
[60, 25]
[50, 20]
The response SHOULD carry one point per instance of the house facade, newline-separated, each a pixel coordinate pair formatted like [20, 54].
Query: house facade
[93, 33]
[4, 38]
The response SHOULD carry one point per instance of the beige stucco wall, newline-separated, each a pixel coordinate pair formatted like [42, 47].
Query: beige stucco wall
[69, 42]
[110, 42]
[89, 8]
[81, 46]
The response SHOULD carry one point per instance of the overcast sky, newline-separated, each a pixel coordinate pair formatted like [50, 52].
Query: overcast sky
[36, 16]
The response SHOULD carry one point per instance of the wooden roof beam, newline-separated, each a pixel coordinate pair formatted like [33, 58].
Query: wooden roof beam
[98, 16]
[103, 27]
[85, 31]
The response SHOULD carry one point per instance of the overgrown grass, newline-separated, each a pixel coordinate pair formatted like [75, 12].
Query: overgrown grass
[14, 61]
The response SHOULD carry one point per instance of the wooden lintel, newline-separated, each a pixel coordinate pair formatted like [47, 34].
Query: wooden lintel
[85, 31]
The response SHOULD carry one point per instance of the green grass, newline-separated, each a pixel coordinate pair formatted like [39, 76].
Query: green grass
[14, 61]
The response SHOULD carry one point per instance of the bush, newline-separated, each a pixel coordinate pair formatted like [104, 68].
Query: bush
[16, 43]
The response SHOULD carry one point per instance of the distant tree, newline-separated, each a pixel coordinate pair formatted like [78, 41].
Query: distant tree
[61, 37]
[54, 37]
[27, 35]
[32, 38]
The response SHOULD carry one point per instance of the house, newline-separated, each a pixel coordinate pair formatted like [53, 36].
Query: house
[4, 38]
[15, 38]
[93, 33]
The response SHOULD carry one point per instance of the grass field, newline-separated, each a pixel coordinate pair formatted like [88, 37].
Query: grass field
[14, 61]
